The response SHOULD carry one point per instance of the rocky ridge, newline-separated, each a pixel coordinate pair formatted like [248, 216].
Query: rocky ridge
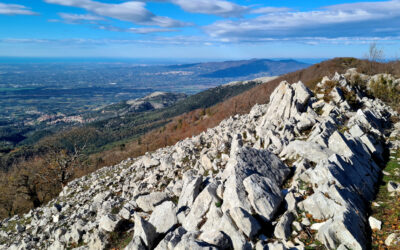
[301, 170]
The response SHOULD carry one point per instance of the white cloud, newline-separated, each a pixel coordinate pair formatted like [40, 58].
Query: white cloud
[214, 7]
[199, 41]
[15, 9]
[385, 6]
[267, 10]
[149, 30]
[349, 20]
[78, 18]
[140, 30]
[134, 12]
[221, 8]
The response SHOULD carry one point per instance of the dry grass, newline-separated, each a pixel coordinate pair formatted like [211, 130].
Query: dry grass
[389, 210]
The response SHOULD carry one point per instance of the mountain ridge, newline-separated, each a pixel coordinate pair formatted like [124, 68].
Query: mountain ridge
[191, 194]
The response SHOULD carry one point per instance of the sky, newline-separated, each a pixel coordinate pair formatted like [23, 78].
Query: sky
[201, 29]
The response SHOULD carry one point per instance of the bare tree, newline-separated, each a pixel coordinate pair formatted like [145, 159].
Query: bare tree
[375, 54]
[62, 164]
[27, 185]
[6, 198]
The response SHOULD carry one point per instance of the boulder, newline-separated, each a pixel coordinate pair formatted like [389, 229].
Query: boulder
[190, 241]
[263, 194]
[135, 244]
[149, 201]
[276, 246]
[56, 245]
[206, 162]
[163, 218]
[149, 162]
[337, 95]
[190, 190]
[145, 230]
[283, 228]
[308, 150]
[392, 239]
[245, 222]
[374, 223]
[393, 187]
[216, 238]
[109, 222]
[347, 230]
[243, 163]
[321, 206]
[200, 207]
[238, 240]
[288, 100]
[212, 218]
[172, 239]
[340, 145]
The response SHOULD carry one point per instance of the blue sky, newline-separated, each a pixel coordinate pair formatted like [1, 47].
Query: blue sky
[209, 29]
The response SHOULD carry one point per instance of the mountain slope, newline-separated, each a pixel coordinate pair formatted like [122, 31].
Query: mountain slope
[255, 66]
[123, 121]
[168, 132]
[297, 172]
[239, 69]
[195, 122]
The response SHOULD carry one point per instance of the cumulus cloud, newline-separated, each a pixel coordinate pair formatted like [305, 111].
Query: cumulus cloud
[15, 9]
[346, 20]
[134, 12]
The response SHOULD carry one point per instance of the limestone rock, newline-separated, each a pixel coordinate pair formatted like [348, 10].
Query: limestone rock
[146, 231]
[135, 244]
[393, 187]
[238, 240]
[190, 190]
[171, 239]
[392, 239]
[263, 194]
[200, 207]
[109, 222]
[149, 162]
[283, 228]
[244, 162]
[206, 161]
[216, 238]
[148, 202]
[308, 150]
[164, 217]
[374, 223]
[245, 222]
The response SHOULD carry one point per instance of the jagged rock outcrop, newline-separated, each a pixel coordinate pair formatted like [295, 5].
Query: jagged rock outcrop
[297, 169]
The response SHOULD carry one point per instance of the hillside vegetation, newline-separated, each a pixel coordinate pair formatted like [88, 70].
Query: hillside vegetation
[36, 173]
[160, 128]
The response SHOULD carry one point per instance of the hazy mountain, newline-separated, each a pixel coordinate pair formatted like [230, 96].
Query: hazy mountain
[242, 68]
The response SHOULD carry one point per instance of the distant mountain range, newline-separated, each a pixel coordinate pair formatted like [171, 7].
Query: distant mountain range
[243, 68]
